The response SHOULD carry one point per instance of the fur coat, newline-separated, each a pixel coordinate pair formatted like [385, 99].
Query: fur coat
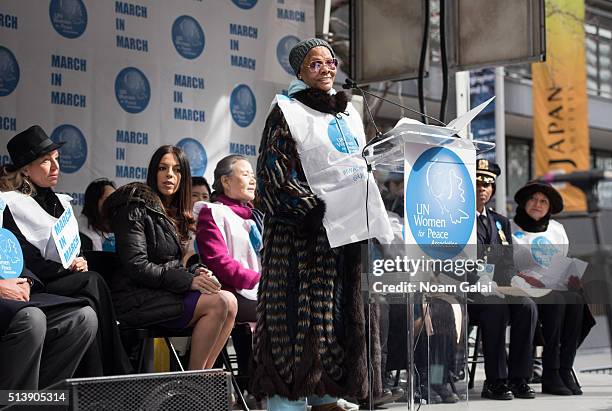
[310, 337]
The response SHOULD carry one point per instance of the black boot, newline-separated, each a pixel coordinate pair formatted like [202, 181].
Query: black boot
[553, 384]
[570, 382]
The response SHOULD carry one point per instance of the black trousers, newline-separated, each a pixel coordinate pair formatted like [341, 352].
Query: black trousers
[561, 328]
[521, 314]
[40, 349]
[106, 355]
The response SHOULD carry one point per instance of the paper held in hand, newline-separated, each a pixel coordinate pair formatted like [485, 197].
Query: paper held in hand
[65, 234]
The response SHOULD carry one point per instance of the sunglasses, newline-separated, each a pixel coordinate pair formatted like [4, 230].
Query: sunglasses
[315, 66]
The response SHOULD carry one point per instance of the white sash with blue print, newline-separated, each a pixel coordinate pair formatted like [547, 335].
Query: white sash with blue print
[534, 252]
[241, 236]
[330, 152]
[36, 224]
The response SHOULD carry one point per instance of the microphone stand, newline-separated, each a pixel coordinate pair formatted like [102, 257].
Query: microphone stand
[350, 84]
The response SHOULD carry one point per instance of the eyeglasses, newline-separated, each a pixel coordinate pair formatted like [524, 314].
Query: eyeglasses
[315, 66]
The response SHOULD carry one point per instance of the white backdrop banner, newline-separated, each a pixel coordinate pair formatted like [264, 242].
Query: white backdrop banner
[117, 79]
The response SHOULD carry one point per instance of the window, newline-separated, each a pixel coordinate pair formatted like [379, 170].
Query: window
[519, 171]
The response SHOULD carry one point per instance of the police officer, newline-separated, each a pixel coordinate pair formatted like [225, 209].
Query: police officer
[506, 378]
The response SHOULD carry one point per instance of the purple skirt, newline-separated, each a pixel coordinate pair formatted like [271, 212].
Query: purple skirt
[190, 299]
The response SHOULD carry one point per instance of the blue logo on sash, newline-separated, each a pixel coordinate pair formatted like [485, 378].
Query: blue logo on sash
[440, 206]
[245, 4]
[542, 251]
[188, 37]
[341, 136]
[283, 48]
[11, 257]
[132, 90]
[255, 237]
[109, 242]
[74, 153]
[68, 17]
[196, 154]
[242, 105]
[9, 72]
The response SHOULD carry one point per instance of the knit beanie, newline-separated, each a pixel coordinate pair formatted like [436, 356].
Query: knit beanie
[300, 50]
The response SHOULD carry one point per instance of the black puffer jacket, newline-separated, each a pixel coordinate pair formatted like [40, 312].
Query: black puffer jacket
[150, 284]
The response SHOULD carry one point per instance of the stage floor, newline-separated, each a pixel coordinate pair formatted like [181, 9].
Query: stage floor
[597, 392]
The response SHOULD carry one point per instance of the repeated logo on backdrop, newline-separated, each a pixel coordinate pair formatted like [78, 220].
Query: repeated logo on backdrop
[132, 90]
[441, 203]
[245, 4]
[9, 72]
[242, 105]
[74, 152]
[68, 17]
[283, 48]
[188, 37]
[196, 154]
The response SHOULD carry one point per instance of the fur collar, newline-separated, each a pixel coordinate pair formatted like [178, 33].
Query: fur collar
[321, 101]
[133, 193]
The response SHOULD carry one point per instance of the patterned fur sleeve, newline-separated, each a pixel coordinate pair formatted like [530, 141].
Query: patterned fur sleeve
[282, 189]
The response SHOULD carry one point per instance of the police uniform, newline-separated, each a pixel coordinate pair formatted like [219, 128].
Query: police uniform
[506, 376]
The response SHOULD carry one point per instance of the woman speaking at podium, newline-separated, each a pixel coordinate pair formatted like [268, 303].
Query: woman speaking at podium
[309, 345]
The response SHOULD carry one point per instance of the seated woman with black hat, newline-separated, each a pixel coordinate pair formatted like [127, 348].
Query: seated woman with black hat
[564, 316]
[33, 212]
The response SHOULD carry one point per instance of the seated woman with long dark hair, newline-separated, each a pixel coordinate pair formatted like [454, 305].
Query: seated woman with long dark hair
[152, 224]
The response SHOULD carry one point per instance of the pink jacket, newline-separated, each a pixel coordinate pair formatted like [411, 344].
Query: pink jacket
[226, 238]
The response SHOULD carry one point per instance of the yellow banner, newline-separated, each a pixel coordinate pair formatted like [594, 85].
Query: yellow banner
[560, 105]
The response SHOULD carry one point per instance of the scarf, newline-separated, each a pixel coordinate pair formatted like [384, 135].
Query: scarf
[523, 220]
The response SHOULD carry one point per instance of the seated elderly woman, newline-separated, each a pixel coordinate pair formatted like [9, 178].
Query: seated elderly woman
[229, 241]
[564, 316]
[152, 224]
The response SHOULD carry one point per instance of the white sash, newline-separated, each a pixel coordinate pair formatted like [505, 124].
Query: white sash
[330, 152]
[534, 252]
[36, 224]
[237, 233]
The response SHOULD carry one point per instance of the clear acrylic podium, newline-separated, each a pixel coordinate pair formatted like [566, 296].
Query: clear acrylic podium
[426, 332]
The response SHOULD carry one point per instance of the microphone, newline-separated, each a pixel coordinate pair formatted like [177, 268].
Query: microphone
[350, 84]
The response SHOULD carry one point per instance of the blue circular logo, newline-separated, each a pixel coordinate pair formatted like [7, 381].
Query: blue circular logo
[341, 136]
[68, 17]
[188, 37]
[245, 4]
[74, 152]
[9, 72]
[132, 90]
[441, 203]
[11, 257]
[283, 48]
[519, 234]
[198, 160]
[243, 105]
[542, 251]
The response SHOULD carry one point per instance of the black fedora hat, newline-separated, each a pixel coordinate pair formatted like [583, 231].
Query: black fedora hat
[28, 145]
[536, 186]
